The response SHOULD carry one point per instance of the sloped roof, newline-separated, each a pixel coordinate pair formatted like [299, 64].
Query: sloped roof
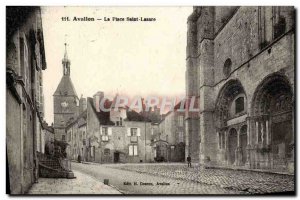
[81, 119]
[47, 127]
[102, 116]
[65, 87]
[135, 116]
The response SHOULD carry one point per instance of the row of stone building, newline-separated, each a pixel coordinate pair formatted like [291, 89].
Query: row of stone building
[119, 135]
[241, 66]
[26, 131]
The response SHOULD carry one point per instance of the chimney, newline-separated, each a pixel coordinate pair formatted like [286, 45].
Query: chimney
[82, 104]
[97, 99]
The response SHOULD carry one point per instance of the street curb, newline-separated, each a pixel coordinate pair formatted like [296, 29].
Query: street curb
[112, 186]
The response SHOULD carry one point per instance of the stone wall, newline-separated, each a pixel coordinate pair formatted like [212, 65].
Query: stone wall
[14, 140]
[63, 115]
[24, 62]
[93, 134]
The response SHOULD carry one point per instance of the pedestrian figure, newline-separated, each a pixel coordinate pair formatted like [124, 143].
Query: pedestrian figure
[189, 160]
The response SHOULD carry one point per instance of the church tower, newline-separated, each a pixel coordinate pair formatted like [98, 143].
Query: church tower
[66, 102]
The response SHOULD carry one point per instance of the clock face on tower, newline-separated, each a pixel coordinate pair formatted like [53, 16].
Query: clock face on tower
[64, 104]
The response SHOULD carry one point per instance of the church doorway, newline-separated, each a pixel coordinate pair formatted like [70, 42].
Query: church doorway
[231, 110]
[281, 139]
[232, 145]
[273, 114]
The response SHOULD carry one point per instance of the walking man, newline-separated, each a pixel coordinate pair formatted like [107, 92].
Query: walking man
[189, 160]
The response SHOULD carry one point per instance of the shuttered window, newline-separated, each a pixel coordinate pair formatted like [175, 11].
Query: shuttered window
[133, 150]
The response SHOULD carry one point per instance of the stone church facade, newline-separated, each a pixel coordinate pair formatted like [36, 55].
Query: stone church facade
[240, 66]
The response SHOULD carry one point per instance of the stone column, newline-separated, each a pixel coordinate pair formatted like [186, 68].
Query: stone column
[219, 140]
[222, 139]
[248, 131]
[238, 138]
[268, 142]
[226, 146]
[262, 132]
[267, 133]
[226, 140]
[247, 163]
[256, 131]
[256, 154]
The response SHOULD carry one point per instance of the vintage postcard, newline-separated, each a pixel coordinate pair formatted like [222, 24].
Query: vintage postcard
[195, 100]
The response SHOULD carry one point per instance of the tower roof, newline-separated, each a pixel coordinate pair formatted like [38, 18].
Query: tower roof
[65, 87]
[66, 59]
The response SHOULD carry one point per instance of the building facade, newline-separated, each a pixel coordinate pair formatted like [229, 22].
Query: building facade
[169, 143]
[116, 136]
[240, 65]
[25, 60]
[126, 143]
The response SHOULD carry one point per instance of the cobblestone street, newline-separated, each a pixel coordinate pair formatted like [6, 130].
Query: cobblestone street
[119, 179]
[247, 181]
[162, 179]
[82, 184]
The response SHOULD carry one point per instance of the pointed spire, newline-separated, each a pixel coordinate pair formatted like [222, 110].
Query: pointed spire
[66, 54]
[66, 63]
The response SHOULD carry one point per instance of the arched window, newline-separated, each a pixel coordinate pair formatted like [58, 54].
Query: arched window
[227, 67]
[239, 105]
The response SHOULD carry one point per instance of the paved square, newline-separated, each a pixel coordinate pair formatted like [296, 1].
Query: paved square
[82, 184]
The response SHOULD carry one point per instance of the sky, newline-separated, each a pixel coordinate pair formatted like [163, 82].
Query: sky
[129, 58]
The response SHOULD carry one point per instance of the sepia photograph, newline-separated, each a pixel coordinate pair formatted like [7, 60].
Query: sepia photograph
[150, 100]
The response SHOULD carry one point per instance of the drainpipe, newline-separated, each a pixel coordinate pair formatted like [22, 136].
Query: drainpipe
[36, 162]
[34, 107]
[34, 115]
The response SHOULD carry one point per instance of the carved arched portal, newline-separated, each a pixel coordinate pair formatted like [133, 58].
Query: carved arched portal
[230, 116]
[273, 121]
